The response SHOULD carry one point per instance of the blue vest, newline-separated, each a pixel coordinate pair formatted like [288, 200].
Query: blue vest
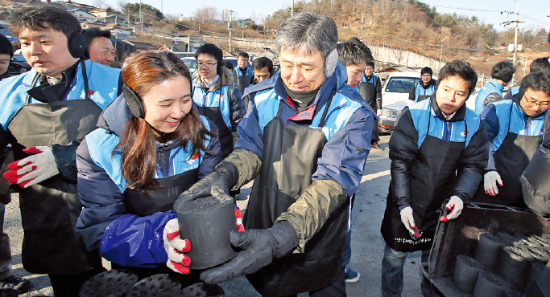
[101, 144]
[517, 120]
[459, 131]
[491, 87]
[341, 109]
[420, 91]
[373, 80]
[102, 80]
[218, 98]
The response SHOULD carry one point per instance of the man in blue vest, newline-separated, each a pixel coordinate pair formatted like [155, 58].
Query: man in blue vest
[425, 88]
[304, 140]
[438, 151]
[501, 74]
[45, 114]
[515, 129]
[243, 73]
[540, 64]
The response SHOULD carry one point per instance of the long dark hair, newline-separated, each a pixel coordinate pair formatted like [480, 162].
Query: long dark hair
[141, 72]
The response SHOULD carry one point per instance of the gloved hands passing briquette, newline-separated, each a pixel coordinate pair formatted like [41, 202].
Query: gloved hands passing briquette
[217, 183]
[33, 169]
[259, 248]
[455, 206]
[490, 180]
[175, 247]
[408, 221]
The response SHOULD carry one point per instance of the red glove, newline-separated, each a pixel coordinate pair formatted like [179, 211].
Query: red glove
[33, 169]
[176, 247]
[239, 217]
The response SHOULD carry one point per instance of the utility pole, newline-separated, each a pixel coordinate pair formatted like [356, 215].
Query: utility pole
[517, 21]
[292, 9]
[229, 27]
[140, 18]
[516, 33]
[362, 21]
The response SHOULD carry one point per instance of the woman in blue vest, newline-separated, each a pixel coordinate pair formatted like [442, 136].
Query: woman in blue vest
[150, 146]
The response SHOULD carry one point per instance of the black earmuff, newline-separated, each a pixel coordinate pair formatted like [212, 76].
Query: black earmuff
[77, 44]
[133, 101]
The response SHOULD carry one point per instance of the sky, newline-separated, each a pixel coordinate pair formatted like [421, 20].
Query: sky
[535, 13]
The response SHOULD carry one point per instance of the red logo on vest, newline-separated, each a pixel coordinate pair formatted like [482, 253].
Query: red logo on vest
[304, 115]
[464, 133]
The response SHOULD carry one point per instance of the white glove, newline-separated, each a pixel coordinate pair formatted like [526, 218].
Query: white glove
[455, 205]
[176, 247]
[379, 112]
[490, 180]
[408, 220]
[33, 169]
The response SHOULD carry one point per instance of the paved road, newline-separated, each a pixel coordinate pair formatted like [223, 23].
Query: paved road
[367, 243]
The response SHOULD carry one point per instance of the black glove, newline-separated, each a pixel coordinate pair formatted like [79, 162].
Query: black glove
[259, 246]
[215, 184]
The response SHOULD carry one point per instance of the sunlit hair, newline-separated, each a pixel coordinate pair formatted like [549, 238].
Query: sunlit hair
[141, 72]
[43, 17]
[461, 68]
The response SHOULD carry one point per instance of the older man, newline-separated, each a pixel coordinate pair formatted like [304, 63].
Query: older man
[306, 137]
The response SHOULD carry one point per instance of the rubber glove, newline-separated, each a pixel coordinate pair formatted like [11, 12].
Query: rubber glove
[239, 218]
[408, 221]
[490, 180]
[217, 183]
[175, 248]
[259, 248]
[455, 205]
[33, 169]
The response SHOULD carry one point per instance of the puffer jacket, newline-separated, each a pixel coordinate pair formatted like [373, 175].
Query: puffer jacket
[223, 94]
[126, 238]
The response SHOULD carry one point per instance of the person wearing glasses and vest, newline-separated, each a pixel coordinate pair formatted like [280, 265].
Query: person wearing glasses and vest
[515, 129]
[216, 95]
[45, 114]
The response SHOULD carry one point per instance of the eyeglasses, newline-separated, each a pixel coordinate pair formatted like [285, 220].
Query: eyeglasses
[209, 64]
[532, 102]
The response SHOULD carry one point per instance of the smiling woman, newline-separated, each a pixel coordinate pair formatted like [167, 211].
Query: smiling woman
[151, 146]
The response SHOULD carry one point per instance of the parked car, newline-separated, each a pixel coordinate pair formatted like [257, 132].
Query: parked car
[395, 96]
[18, 65]
[191, 63]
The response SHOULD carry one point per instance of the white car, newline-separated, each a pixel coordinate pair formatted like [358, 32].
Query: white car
[395, 96]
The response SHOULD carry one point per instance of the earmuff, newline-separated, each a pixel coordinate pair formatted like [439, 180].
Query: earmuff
[133, 101]
[77, 44]
[330, 62]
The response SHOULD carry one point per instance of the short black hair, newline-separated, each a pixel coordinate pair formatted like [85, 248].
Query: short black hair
[227, 65]
[5, 46]
[92, 33]
[537, 81]
[503, 70]
[243, 54]
[460, 68]
[353, 52]
[540, 64]
[43, 17]
[213, 50]
[370, 63]
[426, 70]
[262, 62]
